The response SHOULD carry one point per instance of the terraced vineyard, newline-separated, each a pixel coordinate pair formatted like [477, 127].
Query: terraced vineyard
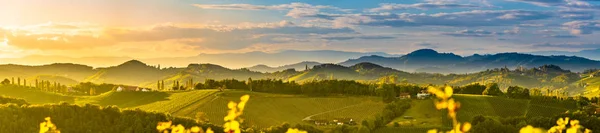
[178, 101]
[284, 108]
[280, 108]
[425, 114]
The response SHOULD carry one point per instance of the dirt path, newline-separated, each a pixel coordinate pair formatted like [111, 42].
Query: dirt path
[310, 117]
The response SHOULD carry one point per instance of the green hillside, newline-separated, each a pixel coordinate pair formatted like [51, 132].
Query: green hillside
[67, 70]
[34, 96]
[425, 114]
[130, 73]
[591, 82]
[280, 108]
[52, 78]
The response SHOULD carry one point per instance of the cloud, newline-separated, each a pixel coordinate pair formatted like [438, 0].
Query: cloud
[560, 36]
[54, 36]
[571, 45]
[459, 19]
[569, 4]
[545, 3]
[576, 15]
[296, 10]
[582, 27]
[223, 37]
[424, 45]
[355, 36]
[472, 33]
[421, 6]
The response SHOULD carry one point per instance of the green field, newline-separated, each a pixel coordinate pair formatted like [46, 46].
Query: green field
[263, 109]
[593, 87]
[34, 96]
[426, 116]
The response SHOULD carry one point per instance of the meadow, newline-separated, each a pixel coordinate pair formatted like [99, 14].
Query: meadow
[425, 115]
[291, 109]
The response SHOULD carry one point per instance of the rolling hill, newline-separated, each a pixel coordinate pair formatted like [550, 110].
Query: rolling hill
[73, 71]
[427, 60]
[297, 66]
[281, 108]
[426, 116]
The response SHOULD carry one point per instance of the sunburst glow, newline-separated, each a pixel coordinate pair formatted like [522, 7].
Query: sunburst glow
[4, 42]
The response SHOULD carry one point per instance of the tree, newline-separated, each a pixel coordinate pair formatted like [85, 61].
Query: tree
[492, 89]
[517, 92]
[249, 84]
[175, 85]
[158, 85]
[201, 117]
[472, 89]
[5, 82]
[162, 84]
[92, 91]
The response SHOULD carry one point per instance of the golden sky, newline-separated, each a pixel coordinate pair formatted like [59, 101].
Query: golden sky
[178, 28]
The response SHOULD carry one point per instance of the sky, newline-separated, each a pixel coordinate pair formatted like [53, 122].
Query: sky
[179, 28]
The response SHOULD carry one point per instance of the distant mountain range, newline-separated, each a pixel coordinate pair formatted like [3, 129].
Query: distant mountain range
[297, 66]
[231, 60]
[428, 60]
[593, 54]
[137, 73]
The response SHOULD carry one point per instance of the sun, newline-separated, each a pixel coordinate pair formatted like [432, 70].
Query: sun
[5, 42]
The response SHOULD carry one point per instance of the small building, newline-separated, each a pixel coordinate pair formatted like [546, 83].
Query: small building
[131, 88]
[423, 95]
[404, 96]
[321, 122]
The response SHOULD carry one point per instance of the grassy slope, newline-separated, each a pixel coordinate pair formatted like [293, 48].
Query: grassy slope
[52, 78]
[472, 105]
[263, 109]
[593, 88]
[34, 96]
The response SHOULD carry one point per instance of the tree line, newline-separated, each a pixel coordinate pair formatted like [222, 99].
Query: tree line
[314, 88]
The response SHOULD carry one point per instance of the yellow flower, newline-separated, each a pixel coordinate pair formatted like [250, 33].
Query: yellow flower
[574, 123]
[245, 98]
[232, 126]
[163, 125]
[209, 130]
[48, 126]
[195, 129]
[432, 131]
[43, 127]
[178, 129]
[530, 129]
[293, 130]
[466, 127]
